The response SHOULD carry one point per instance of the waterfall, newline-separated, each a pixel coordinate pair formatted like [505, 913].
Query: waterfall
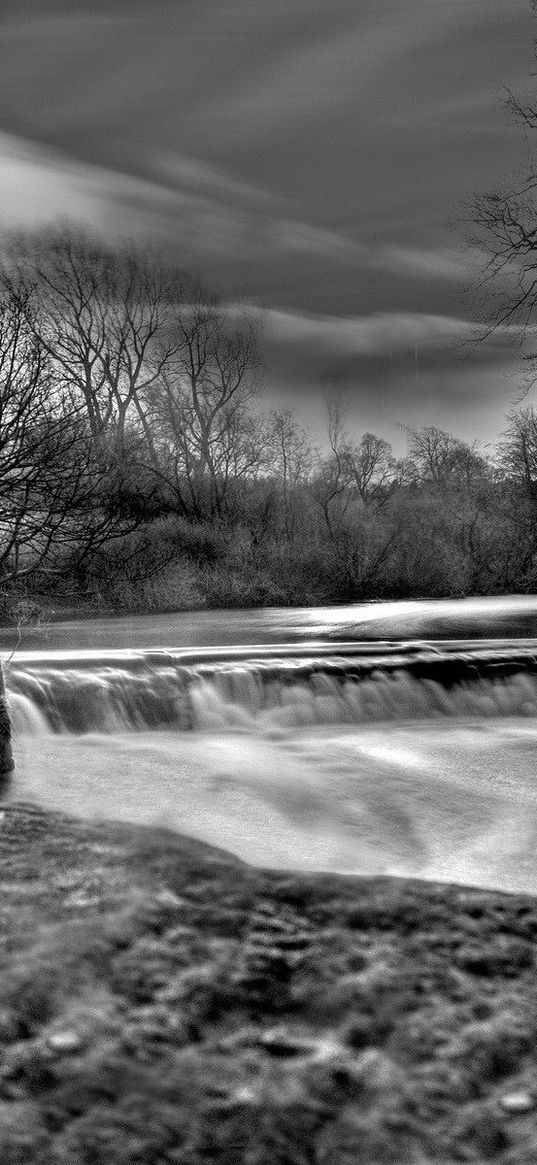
[270, 691]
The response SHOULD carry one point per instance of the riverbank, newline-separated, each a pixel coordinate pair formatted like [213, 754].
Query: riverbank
[161, 1001]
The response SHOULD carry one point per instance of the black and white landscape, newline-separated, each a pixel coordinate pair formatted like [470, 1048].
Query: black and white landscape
[268, 578]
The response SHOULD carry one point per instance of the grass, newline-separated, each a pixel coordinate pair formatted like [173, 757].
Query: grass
[162, 1002]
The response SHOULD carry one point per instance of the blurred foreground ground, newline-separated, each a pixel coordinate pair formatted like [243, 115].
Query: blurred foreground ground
[163, 1002]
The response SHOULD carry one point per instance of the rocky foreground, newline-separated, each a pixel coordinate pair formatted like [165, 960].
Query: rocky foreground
[162, 1002]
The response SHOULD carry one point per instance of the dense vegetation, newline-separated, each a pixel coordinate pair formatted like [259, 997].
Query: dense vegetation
[138, 471]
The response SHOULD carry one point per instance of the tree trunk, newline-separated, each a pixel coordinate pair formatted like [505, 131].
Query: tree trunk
[7, 763]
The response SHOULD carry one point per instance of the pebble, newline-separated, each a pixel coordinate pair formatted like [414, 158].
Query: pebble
[64, 1042]
[515, 1102]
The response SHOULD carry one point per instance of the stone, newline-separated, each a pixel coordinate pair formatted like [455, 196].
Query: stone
[65, 1042]
[517, 1102]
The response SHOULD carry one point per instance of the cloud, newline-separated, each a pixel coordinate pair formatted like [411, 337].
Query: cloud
[187, 173]
[388, 334]
[339, 70]
[394, 370]
[444, 263]
[203, 211]
[294, 158]
[36, 186]
[313, 159]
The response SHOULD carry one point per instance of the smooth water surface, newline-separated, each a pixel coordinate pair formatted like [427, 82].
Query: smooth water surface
[497, 617]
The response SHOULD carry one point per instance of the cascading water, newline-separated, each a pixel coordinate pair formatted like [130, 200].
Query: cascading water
[313, 752]
[146, 691]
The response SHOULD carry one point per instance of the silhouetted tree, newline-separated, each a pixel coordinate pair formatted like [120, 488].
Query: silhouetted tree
[292, 460]
[103, 317]
[371, 468]
[504, 233]
[199, 406]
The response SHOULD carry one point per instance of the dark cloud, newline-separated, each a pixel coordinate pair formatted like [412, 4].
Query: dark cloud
[436, 339]
[395, 370]
[390, 350]
[467, 397]
[314, 161]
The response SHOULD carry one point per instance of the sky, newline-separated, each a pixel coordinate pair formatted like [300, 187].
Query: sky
[315, 159]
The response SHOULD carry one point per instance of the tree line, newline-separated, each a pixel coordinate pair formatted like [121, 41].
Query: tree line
[138, 472]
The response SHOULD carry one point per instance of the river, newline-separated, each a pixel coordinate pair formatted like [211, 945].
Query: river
[392, 738]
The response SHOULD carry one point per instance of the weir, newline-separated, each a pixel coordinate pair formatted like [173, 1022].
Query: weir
[266, 689]
[307, 742]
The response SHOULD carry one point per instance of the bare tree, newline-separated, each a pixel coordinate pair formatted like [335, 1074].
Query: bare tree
[102, 317]
[291, 459]
[330, 484]
[504, 232]
[517, 450]
[440, 458]
[38, 428]
[371, 468]
[199, 405]
[55, 504]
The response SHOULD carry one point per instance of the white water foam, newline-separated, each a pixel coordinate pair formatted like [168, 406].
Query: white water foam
[258, 697]
[26, 719]
[452, 800]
